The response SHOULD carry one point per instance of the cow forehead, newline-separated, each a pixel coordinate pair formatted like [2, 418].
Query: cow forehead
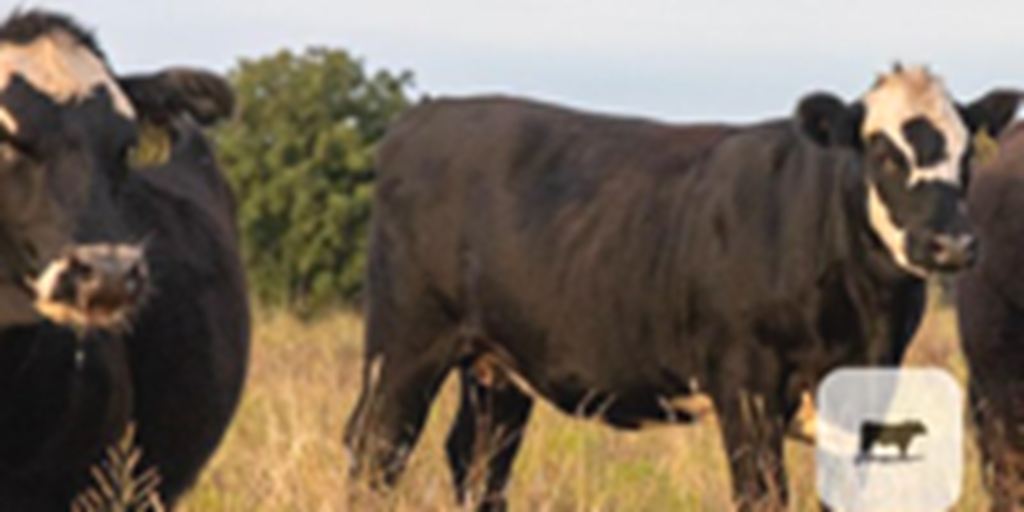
[60, 67]
[910, 94]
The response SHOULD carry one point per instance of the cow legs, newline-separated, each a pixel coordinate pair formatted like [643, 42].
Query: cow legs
[407, 358]
[903, 448]
[753, 431]
[1002, 453]
[483, 442]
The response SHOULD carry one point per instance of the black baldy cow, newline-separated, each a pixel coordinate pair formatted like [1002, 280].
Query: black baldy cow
[624, 269]
[121, 293]
[990, 303]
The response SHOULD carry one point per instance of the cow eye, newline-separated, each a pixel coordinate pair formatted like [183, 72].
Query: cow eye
[891, 162]
[11, 148]
[12, 145]
[885, 154]
[891, 165]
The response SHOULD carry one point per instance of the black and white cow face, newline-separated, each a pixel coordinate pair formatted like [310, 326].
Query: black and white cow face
[68, 127]
[916, 148]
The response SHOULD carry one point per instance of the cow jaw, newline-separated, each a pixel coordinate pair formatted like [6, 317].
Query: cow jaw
[893, 236]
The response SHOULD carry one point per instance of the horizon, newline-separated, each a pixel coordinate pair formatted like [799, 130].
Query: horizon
[654, 59]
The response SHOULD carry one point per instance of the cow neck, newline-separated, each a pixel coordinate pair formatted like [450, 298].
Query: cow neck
[69, 365]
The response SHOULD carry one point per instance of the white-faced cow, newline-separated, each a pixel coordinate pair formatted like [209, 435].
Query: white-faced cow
[990, 302]
[624, 269]
[121, 291]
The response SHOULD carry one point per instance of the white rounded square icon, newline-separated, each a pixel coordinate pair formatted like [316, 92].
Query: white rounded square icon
[889, 439]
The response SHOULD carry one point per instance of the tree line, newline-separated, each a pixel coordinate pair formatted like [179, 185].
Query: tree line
[300, 155]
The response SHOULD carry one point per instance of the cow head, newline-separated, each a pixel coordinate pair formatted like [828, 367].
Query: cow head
[69, 129]
[916, 146]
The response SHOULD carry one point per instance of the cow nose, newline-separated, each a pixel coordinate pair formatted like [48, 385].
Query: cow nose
[104, 282]
[95, 285]
[105, 277]
[954, 252]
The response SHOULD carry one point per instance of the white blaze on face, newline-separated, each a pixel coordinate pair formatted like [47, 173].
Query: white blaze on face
[58, 66]
[898, 97]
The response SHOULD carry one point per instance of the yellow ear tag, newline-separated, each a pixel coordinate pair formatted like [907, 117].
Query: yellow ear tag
[986, 149]
[152, 149]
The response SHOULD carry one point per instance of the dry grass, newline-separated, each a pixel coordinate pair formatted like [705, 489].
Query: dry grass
[284, 451]
[119, 483]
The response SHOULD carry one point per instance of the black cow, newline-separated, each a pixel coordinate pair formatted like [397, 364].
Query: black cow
[623, 269]
[122, 292]
[990, 303]
[873, 433]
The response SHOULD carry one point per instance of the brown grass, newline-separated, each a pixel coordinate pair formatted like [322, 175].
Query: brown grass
[284, 451]
[120, 483]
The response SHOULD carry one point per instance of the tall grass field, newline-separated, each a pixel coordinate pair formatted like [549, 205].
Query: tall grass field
[283, 453]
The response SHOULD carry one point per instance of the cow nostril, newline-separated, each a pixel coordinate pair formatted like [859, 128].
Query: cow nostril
[78, 269]
[953, 250]
[939, 245]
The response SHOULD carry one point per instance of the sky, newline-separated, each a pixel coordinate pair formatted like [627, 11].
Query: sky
[677, 61]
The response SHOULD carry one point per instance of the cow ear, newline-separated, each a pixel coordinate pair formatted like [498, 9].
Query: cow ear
[992, 112]
[169, 94]
[829, 122]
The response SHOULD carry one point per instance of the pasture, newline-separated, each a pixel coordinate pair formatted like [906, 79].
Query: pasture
[283, 452]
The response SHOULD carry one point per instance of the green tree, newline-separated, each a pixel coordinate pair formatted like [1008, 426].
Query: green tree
[300, 156]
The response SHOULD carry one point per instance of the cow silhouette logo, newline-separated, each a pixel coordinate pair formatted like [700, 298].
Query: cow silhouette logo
[889, 439]
[900, 434]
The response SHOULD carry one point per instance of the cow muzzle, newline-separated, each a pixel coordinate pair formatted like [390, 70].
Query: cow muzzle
[952, 253]
[91, 287]
[942, 252]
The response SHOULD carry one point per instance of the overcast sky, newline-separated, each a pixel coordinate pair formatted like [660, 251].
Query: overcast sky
[674, 60]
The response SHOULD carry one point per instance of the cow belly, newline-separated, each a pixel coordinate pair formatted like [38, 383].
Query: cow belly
[645, 410]
[629, 408]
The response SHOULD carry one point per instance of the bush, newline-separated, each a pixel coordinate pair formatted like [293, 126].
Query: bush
[300, 155]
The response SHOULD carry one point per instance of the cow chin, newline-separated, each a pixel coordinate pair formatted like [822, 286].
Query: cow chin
[85, 320]
[92, 288]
